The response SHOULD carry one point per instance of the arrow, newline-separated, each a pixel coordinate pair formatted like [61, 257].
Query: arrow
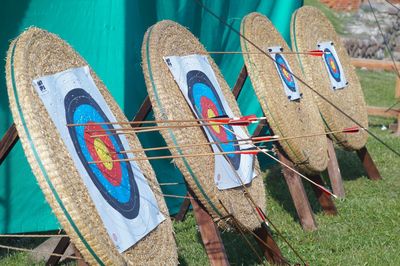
[245, 141]
[217, 119]
[117, 131]
[241, 121]
[318, 53]
[349, 130]
[354, 129]
[287, 166]
[246, 152]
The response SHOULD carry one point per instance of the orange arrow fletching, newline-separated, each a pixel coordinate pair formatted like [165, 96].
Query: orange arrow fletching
[316, 52]
[249, 118]
[260, 213]
[351, 130]
[264, 138]
[220, 120]
[239, 122]
[252, 152]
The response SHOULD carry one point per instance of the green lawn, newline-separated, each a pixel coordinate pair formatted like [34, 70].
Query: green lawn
[378, 87]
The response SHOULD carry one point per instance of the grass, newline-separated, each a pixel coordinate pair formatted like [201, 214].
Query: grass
[378, 87]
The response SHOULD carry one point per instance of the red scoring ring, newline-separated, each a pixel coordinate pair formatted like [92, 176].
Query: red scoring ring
[208, 104]
[113, 175]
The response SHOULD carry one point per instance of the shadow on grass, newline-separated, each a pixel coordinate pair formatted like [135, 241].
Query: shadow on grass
[27, 243]
[277, 188]
[350, 165]
[182, 260]
[351, 169]
[237, 249]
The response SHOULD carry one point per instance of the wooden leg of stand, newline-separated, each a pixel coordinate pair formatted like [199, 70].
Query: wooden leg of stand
[59, 249]
[210, 235]
[144, 110]
[396, 130]
[299, 195]
[8, 141]
[240, 82]
[334, 171]
[183, 209]
[368, 164]
[324, 199]
[271, 251]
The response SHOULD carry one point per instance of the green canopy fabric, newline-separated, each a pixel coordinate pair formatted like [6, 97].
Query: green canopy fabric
[108, 34]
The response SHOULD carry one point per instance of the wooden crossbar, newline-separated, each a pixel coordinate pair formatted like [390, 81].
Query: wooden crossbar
[389, 66]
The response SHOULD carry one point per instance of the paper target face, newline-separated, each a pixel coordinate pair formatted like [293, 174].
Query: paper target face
[333, 65]
[118, 189]
[197, 82]
[285, 73]
[114, 180]
[287, 77]
[207, 104]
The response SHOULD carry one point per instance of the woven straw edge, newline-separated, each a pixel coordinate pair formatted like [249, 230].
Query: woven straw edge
[106, 251]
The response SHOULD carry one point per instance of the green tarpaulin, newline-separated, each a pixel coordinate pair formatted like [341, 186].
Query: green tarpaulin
[108, 34]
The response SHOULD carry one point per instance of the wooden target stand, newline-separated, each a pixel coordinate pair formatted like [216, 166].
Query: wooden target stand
[208, 230]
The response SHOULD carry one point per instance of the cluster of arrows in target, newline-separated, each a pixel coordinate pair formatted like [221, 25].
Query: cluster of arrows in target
[204, 122]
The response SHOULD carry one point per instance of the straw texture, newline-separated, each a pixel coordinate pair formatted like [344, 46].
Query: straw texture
[168, 38]
[286, 118]
[37, 53]
[309, 26]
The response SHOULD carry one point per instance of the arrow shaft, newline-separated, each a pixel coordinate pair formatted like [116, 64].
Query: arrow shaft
[234, 123]
[287, 166]
[184, 146]
[314, 52]
[215, 120]
[175, 156]
[350, 130]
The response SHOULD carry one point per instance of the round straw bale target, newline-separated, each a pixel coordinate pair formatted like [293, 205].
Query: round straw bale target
[310, 27]
[286, 117]
[38, 53]
[168, 38]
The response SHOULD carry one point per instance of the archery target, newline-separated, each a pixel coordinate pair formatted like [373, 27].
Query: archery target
[285, 73]
[333, 65]
[119, 190]
[114, 180]
[198, 83]
[207, 104]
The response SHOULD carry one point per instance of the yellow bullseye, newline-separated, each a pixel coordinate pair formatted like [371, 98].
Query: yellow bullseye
[333, 65]
[103, 153]
[210, 113]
